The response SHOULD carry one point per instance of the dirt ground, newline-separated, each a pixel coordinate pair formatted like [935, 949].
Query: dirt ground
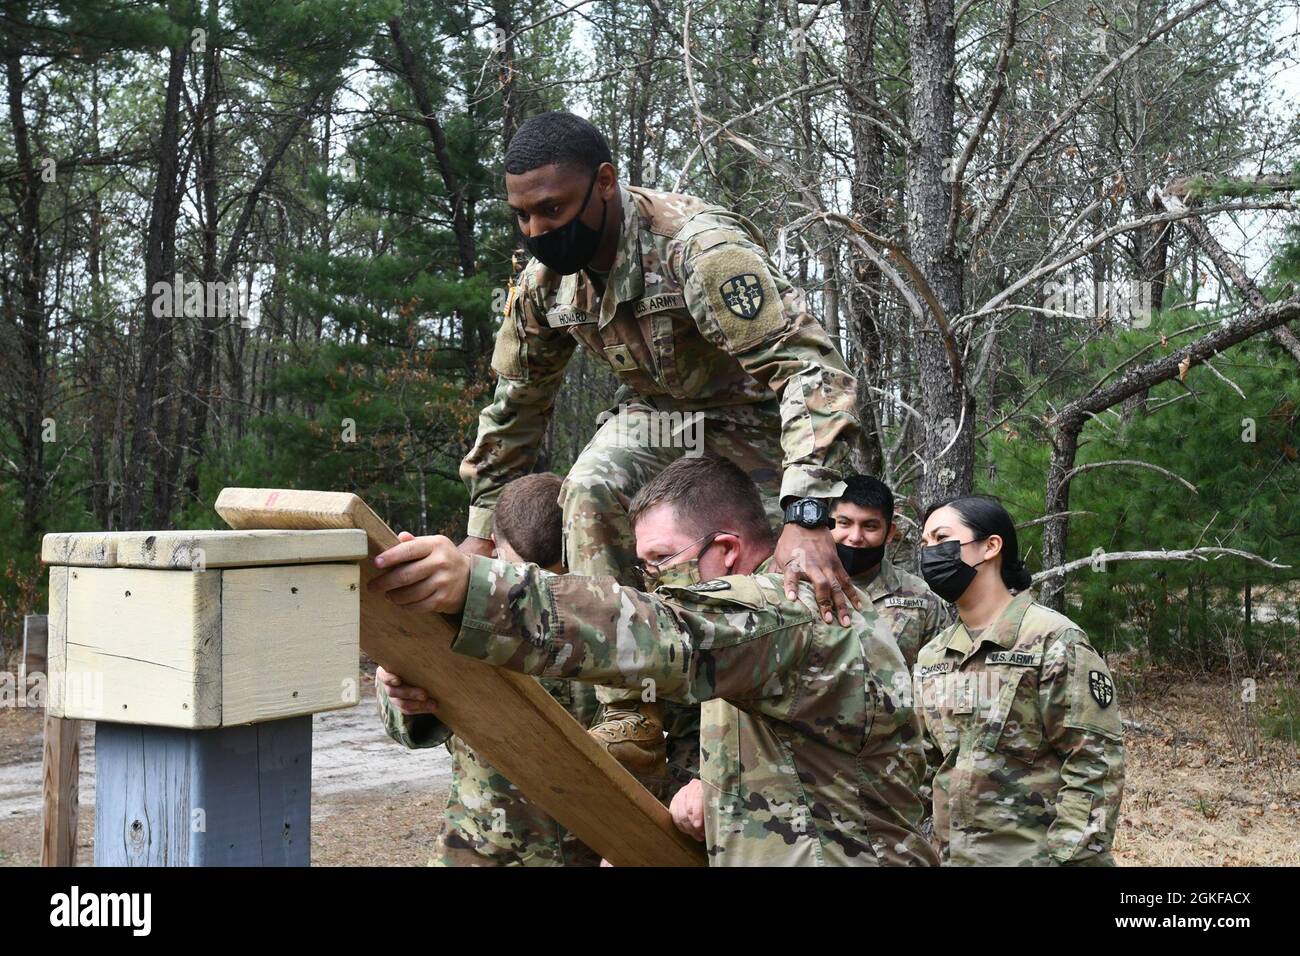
[373, 802]
[1192, 795]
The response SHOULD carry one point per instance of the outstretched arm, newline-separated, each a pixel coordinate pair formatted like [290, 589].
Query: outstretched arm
[691, 648]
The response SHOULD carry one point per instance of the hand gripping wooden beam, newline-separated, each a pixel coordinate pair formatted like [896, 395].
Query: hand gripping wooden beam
[507, 717]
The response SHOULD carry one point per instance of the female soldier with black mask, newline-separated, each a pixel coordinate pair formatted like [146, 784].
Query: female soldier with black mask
[1021, 721]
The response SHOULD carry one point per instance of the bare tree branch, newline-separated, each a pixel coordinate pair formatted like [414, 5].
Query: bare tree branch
[1090, 88]
[1132, 464]
[1190, 554]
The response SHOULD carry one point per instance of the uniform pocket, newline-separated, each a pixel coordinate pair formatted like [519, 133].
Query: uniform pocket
[1014, 727]
[509, 353]
[936, 704]
[1073, 813]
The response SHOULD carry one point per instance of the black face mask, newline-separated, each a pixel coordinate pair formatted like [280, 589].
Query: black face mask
[858, 560]
[944, 570]
[566, 249]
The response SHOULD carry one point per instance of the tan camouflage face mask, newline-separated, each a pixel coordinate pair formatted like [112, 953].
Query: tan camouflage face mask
[684, 574]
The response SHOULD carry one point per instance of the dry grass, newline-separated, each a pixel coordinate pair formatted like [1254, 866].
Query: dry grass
[1193, 796]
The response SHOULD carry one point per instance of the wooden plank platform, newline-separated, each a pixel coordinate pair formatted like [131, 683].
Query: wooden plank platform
[203, 629]
[507, 717]
[199, 550]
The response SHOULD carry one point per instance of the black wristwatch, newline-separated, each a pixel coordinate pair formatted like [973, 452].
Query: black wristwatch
[809, 513]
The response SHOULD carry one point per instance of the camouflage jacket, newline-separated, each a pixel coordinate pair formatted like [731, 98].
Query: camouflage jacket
[488, 822]
[809, 753]
[904, 602]
[695, 315]
[1024, 727]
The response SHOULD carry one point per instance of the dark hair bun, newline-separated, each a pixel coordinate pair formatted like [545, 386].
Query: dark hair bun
[1016, 576]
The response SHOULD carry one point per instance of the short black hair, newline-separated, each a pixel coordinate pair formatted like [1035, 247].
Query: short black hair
[556, 137]
[868, 492]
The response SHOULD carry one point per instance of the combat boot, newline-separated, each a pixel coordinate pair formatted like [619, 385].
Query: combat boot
[632, 732]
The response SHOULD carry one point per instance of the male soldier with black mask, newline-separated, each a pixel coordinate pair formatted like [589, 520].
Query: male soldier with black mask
[682, 300]
[864, 524]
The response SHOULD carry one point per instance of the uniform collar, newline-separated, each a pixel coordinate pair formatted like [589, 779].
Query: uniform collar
[1004, 632]
[881, 584]
[626, 280]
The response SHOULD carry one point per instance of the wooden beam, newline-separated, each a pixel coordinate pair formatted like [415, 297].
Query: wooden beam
[60, 794]
[59, 791]
[507, 717]
[200, 550]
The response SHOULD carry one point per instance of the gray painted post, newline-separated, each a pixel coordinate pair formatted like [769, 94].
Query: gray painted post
[231, 796]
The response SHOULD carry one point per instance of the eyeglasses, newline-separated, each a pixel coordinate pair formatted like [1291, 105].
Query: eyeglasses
[652, 569]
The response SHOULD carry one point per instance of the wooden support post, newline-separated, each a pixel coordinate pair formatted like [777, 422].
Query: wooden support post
[36, 632]
[201, 656]
[60, 794]
[60, 757]
[235, 796]
[507, 717]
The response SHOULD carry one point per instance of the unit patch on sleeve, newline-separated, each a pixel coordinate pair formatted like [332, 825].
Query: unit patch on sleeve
[743, 294]
[1101, 687]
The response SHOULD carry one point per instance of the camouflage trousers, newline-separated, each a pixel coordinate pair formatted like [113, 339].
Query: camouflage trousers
[488, 822]
[635, 441]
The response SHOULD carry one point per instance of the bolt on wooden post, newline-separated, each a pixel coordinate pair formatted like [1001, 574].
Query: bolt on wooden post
[201, 657]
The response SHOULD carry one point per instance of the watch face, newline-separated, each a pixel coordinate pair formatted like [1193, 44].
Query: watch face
[808, 511]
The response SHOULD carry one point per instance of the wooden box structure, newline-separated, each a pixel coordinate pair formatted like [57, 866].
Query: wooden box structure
[175, 643]
[506, 717]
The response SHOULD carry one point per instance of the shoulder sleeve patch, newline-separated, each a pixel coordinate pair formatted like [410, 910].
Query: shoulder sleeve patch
[1093, 702]
[731, 282]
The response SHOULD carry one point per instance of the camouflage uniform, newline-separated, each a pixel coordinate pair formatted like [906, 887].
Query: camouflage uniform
[695, 317]
[811, 754]
[488, 822]
[904, 602]
[913, 615]
[1025, 731]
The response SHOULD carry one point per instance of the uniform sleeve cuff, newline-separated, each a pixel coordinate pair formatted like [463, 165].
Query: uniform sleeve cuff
[426, 730]
[491, 623]
[480, 522]
[802, 483]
